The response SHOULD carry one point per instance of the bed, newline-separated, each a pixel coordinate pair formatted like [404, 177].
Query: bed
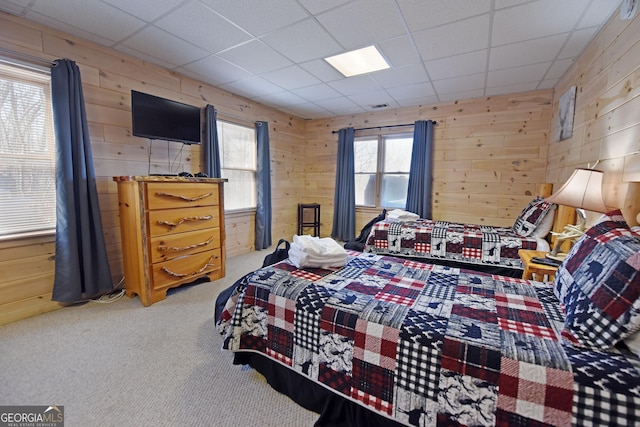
[478, 247]
[391, 341]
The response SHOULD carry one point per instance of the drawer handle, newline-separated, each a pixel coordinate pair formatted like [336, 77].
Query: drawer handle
[173, 225]
[185, 198]
[184, 248]
[204, 267]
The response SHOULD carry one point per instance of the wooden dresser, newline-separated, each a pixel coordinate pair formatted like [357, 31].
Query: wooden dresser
[172, 232]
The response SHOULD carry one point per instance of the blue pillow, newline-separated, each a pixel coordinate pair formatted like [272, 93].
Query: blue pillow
[599, 284]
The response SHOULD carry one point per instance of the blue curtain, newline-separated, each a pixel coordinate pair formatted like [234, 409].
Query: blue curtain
[211, 147]
[344, 201]
[420, 186]
[263, 176]
[81, 265]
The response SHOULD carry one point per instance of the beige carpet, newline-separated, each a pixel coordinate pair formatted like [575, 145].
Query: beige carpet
[122, 364]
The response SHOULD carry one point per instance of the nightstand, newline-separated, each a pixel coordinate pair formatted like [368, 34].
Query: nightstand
[532, 270]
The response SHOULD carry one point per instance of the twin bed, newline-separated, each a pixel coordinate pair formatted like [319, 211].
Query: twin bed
[478, 247]
[393, 341]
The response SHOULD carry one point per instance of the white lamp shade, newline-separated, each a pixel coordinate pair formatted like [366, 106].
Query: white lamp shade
[582, 190]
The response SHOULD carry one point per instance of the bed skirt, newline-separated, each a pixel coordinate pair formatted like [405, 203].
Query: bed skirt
[334, 410]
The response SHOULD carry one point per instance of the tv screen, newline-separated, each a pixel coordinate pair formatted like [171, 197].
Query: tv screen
[159, 118]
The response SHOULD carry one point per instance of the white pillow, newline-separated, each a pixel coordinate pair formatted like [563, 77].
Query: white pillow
[546, 224]
[633, 342]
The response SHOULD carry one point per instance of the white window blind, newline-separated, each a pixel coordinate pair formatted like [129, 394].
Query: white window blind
[27, 152]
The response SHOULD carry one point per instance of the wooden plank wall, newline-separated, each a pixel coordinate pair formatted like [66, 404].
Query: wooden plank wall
[490, 154]
[27, 265]
[606, 122]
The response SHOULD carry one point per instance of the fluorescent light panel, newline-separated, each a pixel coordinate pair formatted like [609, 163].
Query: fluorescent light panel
[360, 61]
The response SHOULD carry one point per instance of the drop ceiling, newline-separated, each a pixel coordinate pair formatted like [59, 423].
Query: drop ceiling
[272, 51]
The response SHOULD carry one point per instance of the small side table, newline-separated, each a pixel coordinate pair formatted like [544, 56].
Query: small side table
[531, 269]
[309, 217]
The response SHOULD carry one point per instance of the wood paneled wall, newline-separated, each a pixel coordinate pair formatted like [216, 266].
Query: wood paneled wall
[490, 154]
[27, 265]
[607, 115]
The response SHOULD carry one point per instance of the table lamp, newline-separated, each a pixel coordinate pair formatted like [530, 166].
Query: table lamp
[583, 191]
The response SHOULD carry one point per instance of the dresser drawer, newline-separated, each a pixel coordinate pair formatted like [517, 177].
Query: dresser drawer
[169, 221]
[170, 246]
[186, 268]
[179, 195]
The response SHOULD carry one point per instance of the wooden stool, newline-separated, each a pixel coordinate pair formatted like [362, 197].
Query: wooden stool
[309, 217]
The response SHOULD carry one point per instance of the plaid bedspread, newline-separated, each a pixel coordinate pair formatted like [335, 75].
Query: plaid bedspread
[464, 243]
[431, 345]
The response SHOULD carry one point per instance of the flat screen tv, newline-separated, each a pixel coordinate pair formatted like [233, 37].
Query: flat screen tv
[159, 118]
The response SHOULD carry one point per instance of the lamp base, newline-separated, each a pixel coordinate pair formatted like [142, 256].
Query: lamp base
[557, 257]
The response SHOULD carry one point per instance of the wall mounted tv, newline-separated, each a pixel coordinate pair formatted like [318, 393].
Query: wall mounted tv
[159, 118]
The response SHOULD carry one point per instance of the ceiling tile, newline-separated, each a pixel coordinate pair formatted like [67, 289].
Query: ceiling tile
[293, 77]
[517, 75]
[339, 103]
[467, 94]
[514, 88]
[459, 84]
[578, 41]
[162, 45]
[399, 51]
[399, 76]
[193, 22]
[244, 56]
[363, 22]
[317, 92]
[453, 39]
[217, 69]
[356, 84]
[92, 16]
[282, 99]
[259, 17]
[411, 91]
[368, 99]
[535, 19]
[525, 53]
[147, 10]
[315, 6]
[558, 68]
[422, 100]
[252, 87]
[597, 10]
[303, 41]
[322, 70]
[424, 14]
[458, 65]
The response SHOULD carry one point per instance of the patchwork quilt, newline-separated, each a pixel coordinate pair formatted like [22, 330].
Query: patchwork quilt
[430, 345]
[451, 241]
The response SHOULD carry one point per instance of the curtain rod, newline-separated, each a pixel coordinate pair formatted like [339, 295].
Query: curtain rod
[28, 58]
[384, 127]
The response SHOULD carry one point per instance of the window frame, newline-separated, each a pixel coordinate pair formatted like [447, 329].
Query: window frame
[30, 74]
[380, 173]
[223, 168]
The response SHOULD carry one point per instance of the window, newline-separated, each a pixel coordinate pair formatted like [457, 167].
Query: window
[27, 152]
[382, 170]
[238, 155]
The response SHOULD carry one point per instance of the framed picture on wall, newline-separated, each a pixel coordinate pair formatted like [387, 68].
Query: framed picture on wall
[566, 107]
